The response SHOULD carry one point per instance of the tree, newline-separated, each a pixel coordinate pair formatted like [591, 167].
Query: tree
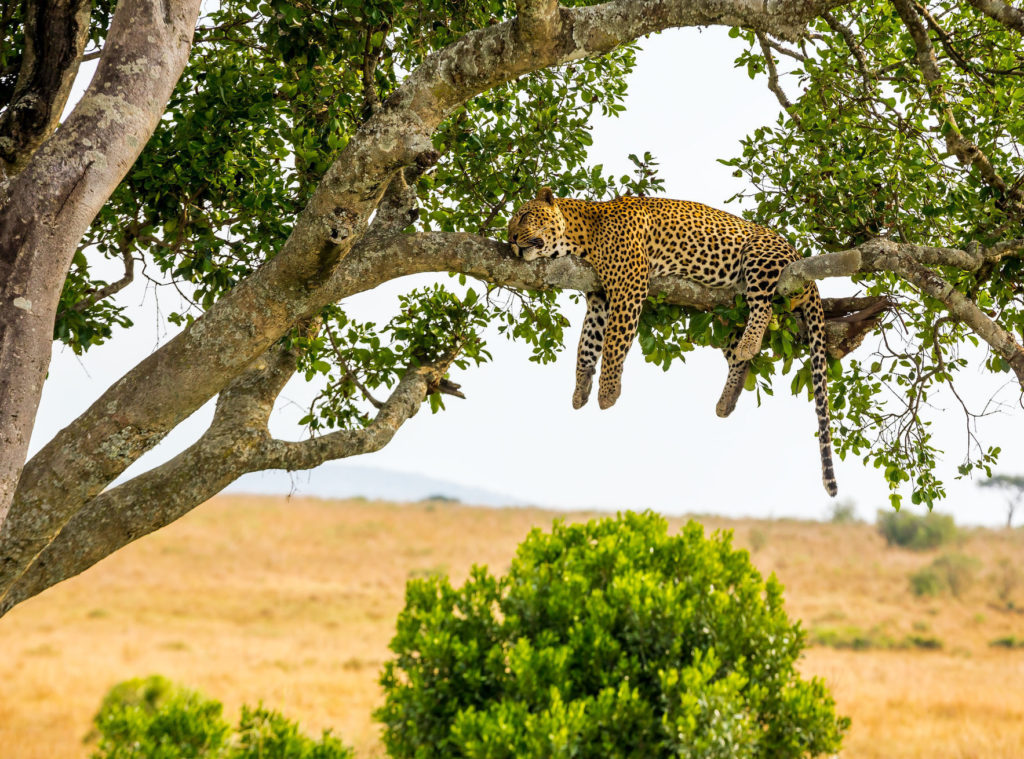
[284, 155]
[1014, 484]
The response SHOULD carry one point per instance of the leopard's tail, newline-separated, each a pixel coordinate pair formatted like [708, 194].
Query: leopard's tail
[814, 317]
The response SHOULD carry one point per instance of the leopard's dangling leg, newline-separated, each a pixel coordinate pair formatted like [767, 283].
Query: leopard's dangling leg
[764, 258]
[625, 272]
[734, 383]
[591, 342]
[624, 307]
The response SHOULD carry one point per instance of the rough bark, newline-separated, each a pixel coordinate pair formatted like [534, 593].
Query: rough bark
[55, 35]
[1004, 13]
[141, 408]
[46, 209]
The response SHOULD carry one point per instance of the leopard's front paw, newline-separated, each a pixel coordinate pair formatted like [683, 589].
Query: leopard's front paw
[584, 383]
[608, 395]
[726, 405]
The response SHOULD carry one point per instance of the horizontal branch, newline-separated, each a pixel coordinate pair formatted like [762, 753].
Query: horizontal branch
[911, 263]
[491, 261]
[401, 405]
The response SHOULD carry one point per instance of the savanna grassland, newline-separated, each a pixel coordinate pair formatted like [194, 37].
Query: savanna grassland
[293, 602]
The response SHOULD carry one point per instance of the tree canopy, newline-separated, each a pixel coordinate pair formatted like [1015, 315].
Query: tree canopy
[271, 158]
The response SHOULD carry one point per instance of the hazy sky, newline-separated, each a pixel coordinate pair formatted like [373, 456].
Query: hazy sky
[661, 445]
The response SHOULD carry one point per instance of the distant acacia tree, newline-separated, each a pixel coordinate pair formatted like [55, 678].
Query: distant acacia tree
[1014, 485]
[275, 157]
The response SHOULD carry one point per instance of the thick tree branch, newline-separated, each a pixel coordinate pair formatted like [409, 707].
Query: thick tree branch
[1004, 13]
[237, 442]
[910, 262]
[172, 383]
[160, 496]
[488, 260]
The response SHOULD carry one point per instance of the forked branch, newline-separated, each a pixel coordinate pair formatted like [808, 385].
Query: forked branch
[236, 442]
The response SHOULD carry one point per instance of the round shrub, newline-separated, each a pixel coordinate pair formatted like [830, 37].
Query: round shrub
[605, 639]
[153, 718]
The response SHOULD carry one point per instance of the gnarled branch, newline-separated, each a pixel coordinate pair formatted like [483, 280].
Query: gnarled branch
[236, 442]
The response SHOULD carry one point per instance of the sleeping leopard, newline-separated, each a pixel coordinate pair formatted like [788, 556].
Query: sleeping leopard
[631, 239]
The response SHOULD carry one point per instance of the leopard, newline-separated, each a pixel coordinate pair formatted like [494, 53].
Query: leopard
[631, 239]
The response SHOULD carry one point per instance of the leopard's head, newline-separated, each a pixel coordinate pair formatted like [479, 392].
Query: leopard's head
[535, 226]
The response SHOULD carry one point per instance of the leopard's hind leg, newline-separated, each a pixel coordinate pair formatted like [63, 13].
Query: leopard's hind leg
[764, 258]
[738, 369]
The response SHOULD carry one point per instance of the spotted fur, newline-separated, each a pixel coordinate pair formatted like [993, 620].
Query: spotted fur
[629, 240]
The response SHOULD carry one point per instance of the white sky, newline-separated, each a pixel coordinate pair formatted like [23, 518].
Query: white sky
[661, 446]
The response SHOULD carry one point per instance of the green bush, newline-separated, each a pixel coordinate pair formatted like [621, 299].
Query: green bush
[927, 582]
[852, 637]
[842, 512]
[952, 573]
[154, 719]
[608, 639]
[1008, 641]
[917, 532]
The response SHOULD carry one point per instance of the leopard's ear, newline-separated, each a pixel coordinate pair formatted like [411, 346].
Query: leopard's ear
[546, 195]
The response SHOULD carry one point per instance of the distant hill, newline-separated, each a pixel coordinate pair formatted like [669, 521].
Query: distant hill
[345, 481]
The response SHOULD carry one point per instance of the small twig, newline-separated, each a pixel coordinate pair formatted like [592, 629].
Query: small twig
[349, 374]
[852, 45]
[773, 78]
[101, 293]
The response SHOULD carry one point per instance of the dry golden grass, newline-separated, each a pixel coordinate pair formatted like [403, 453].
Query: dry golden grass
[293, 603]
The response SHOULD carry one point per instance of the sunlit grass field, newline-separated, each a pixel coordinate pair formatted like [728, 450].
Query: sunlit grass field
[293, 602]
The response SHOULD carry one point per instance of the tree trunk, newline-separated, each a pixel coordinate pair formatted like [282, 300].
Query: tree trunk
[48, 206]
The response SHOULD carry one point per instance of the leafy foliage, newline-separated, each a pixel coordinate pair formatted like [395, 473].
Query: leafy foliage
[611, 638]
[152, 718]
[272, 93]
[862, 151]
